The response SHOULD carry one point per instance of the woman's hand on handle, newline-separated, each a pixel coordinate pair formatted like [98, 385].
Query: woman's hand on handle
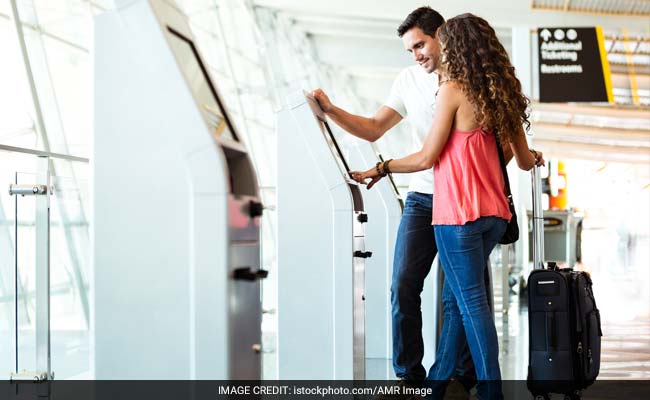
[371, 174]
[526, 157]
[539, 157]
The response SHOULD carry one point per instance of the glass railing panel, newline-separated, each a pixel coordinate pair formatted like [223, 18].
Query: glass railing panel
[69, 272]
[25, 280]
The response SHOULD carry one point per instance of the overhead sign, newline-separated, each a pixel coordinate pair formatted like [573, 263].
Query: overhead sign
[573, 66]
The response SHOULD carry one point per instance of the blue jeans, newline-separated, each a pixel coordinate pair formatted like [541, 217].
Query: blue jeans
[464, 251]
[415, 250]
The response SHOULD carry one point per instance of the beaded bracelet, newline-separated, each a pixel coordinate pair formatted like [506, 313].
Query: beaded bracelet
[380, 171]
[386, 168]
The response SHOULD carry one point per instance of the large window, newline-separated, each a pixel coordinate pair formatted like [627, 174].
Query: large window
[45, 103]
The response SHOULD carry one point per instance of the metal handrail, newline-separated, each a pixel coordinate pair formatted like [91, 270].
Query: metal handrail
[42, 153]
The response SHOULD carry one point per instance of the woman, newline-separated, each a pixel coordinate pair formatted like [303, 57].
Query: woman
[479, 95]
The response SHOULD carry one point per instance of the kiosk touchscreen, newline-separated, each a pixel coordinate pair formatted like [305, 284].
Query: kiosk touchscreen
[321, 250]
[383, 203]
[176, 252]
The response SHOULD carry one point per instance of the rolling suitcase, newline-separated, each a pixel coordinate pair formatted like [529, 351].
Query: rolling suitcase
[564, 322]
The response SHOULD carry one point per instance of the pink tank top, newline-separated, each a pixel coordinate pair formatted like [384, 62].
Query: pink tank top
[468, 182]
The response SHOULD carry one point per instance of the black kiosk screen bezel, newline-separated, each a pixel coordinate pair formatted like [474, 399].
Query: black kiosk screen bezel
[206, 76]
[336, 146]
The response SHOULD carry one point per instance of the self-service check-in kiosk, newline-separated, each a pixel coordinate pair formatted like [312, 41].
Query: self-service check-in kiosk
[383, 202]
[384, 205]
[321, 251]
[176, 263]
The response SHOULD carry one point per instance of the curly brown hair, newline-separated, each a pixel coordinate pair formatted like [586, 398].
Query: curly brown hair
[473, 57]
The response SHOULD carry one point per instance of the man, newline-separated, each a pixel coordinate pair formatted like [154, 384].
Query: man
[413, 95]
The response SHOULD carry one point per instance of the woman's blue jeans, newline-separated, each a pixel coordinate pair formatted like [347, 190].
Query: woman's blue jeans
[463, 252]
[415, 250]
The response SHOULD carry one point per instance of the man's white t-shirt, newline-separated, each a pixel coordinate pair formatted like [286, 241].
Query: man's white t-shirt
[413, 96]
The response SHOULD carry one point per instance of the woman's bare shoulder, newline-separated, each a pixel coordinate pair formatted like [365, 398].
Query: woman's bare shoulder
[450, 92]
[450, 86]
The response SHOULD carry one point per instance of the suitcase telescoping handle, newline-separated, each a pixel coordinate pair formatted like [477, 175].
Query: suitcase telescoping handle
[538, 220]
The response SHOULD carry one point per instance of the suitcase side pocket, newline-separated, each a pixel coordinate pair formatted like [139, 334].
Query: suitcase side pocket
[592, 348]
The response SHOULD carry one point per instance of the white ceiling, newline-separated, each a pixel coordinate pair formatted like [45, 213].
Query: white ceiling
[621, 7]
[358, 37]
[500, 13]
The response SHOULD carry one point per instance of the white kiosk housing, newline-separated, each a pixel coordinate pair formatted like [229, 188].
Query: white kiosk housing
[321, 251]
[176, 209]
[385, 205]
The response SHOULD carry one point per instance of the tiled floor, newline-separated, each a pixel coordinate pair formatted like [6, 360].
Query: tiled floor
[626, 350]
[621, 276]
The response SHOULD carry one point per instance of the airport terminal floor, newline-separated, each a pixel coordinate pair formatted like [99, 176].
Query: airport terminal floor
[626, 335]
[180, 203]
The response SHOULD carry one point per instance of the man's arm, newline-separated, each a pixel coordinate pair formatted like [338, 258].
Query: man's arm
[447, 103]
[369, 129]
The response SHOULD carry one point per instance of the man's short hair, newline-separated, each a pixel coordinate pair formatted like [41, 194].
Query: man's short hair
[425, 18]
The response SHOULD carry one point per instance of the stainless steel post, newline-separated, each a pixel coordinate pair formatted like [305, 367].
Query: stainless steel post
[538, 221]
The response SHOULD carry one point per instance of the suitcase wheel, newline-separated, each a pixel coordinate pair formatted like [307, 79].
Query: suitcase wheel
[545, 396]
[572, 396]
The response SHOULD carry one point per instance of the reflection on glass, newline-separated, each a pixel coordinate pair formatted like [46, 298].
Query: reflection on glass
[336, 149]
[69, 270]
[25, 214]
[70, 267]
[201, 85]
[216, 121]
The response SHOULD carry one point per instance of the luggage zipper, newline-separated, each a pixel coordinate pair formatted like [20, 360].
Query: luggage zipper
[575, 294]
[580, 358]
[588, 343]
[576, 301]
